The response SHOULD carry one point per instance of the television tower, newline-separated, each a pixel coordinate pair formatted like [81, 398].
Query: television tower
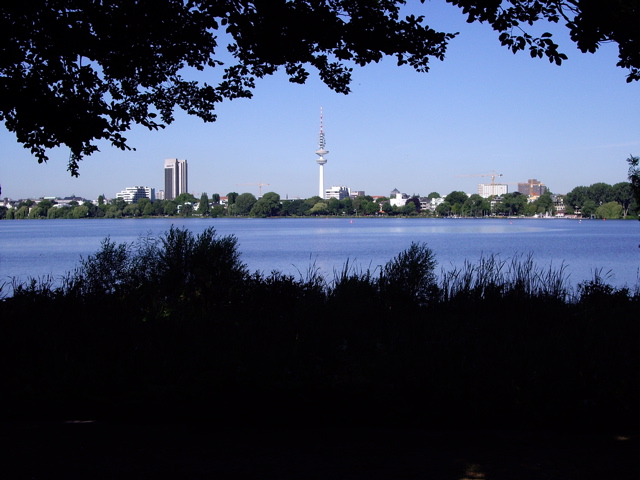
[321, 152]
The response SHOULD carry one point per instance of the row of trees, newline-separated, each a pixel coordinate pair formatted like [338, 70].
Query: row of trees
[270, 205]
[183, 205]
[186, 205]
[511, 204]
[588, 200]
[600, 200]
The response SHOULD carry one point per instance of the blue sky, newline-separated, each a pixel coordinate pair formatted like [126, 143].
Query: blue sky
[482, 109]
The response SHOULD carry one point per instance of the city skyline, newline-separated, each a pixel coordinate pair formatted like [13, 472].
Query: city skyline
[483, 109]
[532, 188]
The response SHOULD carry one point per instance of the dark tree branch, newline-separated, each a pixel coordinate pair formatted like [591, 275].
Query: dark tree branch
[74, 72]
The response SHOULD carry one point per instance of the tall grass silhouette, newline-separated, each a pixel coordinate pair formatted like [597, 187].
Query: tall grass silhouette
[176, 326]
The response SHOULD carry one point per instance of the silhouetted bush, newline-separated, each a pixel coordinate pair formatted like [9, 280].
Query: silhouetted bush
[177, 327]
[410, 276]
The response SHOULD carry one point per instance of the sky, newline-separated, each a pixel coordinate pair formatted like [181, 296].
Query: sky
[482, 110]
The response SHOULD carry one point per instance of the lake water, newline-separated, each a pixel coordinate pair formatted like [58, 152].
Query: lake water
[33, 248]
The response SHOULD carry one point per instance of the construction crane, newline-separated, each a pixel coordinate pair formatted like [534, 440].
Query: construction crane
[260, 185]
[493, 176]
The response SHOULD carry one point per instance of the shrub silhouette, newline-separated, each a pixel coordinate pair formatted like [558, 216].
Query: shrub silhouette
[410, 276]
[177, 327]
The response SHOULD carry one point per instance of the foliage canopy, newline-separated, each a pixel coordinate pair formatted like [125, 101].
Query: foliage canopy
[73, 72]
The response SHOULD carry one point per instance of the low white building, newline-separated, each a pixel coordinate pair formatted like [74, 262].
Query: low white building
[337, 192]
[434, 202]
[397, 199]
[133, 194]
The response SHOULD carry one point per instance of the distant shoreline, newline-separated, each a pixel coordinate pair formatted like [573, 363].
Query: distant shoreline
[323, 217]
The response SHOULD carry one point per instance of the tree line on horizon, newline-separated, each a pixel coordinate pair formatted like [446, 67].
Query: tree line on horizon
[599, 200]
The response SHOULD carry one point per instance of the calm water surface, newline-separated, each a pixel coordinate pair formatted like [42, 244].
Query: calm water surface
[33, 248]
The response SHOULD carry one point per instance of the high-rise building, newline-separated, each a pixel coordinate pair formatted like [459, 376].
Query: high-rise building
[321, 152]
[175, 178]
[533, 188]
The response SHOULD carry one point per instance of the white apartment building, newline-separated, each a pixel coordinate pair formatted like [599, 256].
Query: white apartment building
[133, 194]
[486, 190]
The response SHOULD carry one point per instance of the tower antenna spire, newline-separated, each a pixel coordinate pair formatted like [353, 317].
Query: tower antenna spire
[321, 152]
[321, 136]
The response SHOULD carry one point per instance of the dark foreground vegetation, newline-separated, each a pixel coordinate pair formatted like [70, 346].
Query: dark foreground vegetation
[177, 328]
